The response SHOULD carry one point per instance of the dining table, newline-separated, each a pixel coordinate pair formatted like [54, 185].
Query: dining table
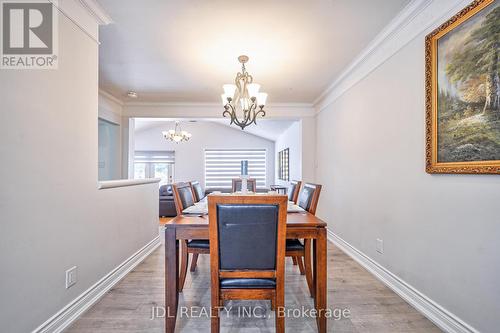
[300, 225]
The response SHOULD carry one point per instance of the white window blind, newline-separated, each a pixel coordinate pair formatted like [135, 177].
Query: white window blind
[222, 165]
[160, 156]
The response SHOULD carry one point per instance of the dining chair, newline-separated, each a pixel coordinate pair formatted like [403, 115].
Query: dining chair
[247, 252]
[293, 194]
[198, 193]
[301, 251]
[184, 198]
[251, 183]
[293, 190]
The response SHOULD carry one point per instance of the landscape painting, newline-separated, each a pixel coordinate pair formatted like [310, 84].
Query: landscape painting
[463, 92]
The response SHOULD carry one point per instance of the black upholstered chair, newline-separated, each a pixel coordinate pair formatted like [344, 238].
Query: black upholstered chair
[184, 198]
[308, 198]
[238, 225]
[251, 184]
[294, 244]
[198, 193]
[293, 190]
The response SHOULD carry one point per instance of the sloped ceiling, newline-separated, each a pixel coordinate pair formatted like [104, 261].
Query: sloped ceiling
[267, 129]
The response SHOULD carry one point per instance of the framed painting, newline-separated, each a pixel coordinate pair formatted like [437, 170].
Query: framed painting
[463, 92]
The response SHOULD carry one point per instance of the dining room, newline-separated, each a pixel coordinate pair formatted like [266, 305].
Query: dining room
[249, 166]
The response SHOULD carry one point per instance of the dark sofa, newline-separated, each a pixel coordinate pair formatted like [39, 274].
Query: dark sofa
[167, 204]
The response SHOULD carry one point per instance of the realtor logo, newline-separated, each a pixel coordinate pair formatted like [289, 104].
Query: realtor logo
[29, 36]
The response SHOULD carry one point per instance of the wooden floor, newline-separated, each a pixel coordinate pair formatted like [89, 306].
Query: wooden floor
[372, 306]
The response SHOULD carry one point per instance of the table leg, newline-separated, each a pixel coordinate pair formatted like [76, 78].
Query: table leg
[320, 277]
[309, 265]
[171, 278]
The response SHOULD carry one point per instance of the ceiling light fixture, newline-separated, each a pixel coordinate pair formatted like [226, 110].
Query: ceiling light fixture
[176, 135]
[243, 98]
[132, 94]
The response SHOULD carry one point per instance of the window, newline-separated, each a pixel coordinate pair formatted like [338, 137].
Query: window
[154, 164]
[139, 170]
[222, 165]
[283, 164]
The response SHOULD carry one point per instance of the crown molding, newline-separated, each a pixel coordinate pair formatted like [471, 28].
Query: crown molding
[97, 12]
[86, 15]
[111, 97]
[210, 110]
[171, 104]
[208, 104]
[358, 68]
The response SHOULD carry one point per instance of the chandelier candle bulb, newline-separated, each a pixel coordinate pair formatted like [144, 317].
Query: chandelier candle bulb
[224, 99]
[253, 89]
[261, 99]
[229, 90]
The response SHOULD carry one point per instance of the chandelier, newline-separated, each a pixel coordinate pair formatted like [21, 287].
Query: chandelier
[241, 100]
[177, 135]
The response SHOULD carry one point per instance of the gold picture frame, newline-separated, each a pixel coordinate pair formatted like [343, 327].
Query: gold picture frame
[433, 164]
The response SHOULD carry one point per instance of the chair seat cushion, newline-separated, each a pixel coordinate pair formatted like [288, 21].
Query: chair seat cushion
[199, 244]
[294, 245]
[247, 283]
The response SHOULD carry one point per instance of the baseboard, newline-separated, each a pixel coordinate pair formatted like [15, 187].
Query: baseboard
[444, 319]
[67, 315]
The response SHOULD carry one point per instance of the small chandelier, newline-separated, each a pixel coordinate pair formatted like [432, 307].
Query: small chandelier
[177, 135]
[243, 98]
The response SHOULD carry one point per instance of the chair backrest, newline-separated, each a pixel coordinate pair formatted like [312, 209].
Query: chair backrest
[198, 193]
[251, 184]
[309, 197]
[293, 190]
[247, 236]
[183, 196]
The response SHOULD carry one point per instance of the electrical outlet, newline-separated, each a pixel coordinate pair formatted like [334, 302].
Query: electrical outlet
[70, 277]
[380, 245]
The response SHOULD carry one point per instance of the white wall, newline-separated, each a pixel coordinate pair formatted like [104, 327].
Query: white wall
[309, 149]
[291, 139]
[441, 232]
[189, 156]
[300, 138]
[52, 214]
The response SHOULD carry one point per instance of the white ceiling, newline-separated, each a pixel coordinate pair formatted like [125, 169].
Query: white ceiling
[184, 50]
[267, 129]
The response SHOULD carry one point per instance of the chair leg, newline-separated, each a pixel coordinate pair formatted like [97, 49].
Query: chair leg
[215, 321]
[279, 315]
[294, 259]
[301, 265]
[308, 265]
[184, 264]
[193, 262]
[273, 305]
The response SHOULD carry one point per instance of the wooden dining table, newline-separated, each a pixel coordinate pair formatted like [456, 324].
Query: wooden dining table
[299, 226]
